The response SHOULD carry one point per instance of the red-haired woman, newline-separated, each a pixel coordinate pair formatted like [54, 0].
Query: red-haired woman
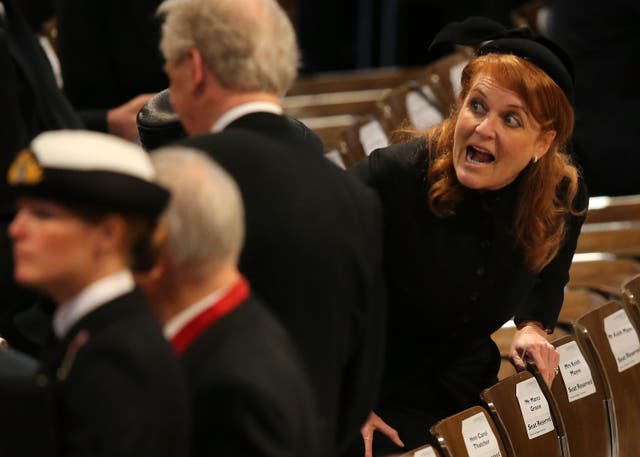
[482, 214]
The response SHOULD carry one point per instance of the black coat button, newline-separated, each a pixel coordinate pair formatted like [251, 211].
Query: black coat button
[480, 272]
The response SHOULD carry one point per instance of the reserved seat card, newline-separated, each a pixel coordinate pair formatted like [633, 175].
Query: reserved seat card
[479, 438]
[422, 114]
[372, 137]
[575, 372]
[534, 408]
[623, 340]
[426, 452]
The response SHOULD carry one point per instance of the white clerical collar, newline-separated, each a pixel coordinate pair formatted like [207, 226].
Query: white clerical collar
[177, 322]
[242, 110]
[91, 298]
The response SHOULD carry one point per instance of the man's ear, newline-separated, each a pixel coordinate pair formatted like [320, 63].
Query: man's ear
[544, 142]
[156, 275]
[198, 71]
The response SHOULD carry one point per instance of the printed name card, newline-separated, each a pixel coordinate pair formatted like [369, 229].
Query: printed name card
[455, 76]
[422, 114]
[534, 408]
[335, 157]
[372, 137]
[575, 372]
[623, 340]
[479, 438]
[426, 452]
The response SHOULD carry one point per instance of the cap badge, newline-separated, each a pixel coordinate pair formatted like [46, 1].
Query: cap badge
[25, 169]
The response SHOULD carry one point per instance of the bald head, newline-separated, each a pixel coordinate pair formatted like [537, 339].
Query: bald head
[249, 45]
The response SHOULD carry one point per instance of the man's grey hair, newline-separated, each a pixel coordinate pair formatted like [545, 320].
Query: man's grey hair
[249, 45]
[205, 216]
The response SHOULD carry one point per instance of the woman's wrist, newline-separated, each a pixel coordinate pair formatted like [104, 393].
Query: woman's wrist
[530, 323]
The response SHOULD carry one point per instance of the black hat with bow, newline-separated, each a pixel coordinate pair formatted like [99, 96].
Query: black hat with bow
[495, 38]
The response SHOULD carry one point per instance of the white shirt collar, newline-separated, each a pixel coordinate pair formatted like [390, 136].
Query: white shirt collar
[180, 320]
[91, 298]
[242, 110]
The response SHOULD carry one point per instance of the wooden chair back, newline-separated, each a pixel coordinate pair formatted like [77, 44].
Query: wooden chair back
[612, 209]
[469, 433]
[605, 276]
[360, 139]
[411, 105]
[612, 338]
[576, 303]
[523, 414]
[423, 451]
[619, 238]
[631, 295]
[582, 401]
[443, 76]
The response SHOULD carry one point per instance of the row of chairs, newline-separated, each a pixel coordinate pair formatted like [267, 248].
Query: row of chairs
[592, 409]
[360, 110]
[416, 104]
[355, 112]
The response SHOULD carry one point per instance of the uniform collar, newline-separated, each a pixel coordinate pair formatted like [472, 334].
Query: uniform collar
[90, 298]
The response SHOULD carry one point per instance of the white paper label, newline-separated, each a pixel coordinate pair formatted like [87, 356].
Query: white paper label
[479, 438]
[575, 372]
[623, 340]
[335, 157]
[534, 407]
[422, 114]
[426, 452]
[455, 75]
[372, 137]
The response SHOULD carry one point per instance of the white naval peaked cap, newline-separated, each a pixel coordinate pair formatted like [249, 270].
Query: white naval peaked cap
[91, 169]
[87, 150]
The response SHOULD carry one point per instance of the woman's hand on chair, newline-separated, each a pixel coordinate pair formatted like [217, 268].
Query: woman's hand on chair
[375, 423]
[530, 341]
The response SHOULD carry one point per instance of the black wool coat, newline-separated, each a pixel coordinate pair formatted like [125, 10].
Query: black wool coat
[250, 394]
[313, 255]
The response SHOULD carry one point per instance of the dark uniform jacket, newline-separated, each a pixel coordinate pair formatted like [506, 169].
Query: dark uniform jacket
[119, 386]
[451, 283]
[313, 255]
[249, 392]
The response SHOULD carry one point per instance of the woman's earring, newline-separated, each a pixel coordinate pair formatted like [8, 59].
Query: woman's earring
[535, 159]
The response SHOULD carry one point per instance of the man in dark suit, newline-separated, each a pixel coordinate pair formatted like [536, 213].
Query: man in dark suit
[250, 394]
[313, 247]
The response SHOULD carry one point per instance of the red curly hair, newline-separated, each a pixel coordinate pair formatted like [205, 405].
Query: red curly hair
[547, 189]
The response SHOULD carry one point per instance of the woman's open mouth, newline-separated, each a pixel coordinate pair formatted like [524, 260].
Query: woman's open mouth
[477, 155]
